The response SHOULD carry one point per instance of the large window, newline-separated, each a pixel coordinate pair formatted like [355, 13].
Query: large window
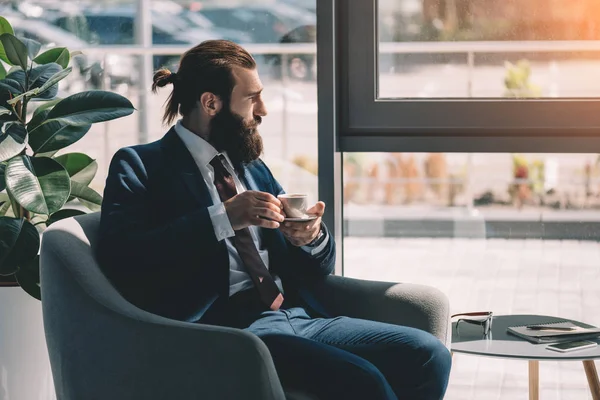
[433, 71]
[474, 48]
[469, 143]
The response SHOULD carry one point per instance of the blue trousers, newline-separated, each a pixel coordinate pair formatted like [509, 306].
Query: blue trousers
[348, 358]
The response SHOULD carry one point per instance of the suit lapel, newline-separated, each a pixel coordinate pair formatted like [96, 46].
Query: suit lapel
[249, 181]
[184, 165]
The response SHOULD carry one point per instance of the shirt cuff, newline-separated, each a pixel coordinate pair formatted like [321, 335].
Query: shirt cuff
[220, 221]
[319, 248]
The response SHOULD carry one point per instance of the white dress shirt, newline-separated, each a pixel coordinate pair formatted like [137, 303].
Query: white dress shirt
[203, 152]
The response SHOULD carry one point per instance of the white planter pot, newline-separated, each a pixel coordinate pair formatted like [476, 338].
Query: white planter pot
[24, 364]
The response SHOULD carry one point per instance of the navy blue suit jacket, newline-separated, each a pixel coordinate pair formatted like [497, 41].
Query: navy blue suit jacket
[157, 243]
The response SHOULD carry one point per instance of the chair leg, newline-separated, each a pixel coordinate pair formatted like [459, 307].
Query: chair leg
[592, 378]
[534, 380]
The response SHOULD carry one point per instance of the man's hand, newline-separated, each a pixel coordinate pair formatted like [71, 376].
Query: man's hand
[254, 208]
[302, 233]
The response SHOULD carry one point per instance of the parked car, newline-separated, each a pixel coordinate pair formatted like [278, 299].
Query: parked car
[309, 5]
[189, 22]
[86, 66]
[116, 26]
[266, 23]
[273, 23]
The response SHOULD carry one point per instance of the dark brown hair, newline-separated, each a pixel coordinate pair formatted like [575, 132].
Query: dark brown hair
[204, 68]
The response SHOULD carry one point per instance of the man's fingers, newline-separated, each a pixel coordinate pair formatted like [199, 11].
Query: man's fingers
[302, 226]
[265, 223]
[270, 206]
[318, 209]
[269, 214]
[295, 226]
[267, 197]
[295, 234]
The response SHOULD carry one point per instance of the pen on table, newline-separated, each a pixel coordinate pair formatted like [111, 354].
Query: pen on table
[551, 328]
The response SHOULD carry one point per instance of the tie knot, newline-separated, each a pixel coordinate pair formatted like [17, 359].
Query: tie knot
[217, 161]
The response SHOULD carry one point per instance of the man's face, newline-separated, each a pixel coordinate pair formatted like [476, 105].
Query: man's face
[246, 97]
[235, 127]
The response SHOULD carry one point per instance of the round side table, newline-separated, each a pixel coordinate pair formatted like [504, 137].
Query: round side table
[501, 344]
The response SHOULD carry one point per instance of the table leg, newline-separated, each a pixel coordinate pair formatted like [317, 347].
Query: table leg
[534, 380]
[592, 377]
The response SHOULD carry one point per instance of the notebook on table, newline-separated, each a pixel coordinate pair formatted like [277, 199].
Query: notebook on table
[549, 335]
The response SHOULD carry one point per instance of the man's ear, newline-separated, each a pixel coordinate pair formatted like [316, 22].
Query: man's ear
[211, 104]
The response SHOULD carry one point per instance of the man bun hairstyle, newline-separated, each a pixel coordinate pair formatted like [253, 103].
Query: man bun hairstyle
[206, 67]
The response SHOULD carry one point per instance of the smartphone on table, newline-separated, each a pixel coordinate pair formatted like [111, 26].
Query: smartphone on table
[572, 346]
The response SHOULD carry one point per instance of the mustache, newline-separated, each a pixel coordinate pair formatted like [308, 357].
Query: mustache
[255, 122]
[252, 126]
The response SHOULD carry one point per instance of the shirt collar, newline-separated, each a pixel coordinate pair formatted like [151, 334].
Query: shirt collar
[202, 151]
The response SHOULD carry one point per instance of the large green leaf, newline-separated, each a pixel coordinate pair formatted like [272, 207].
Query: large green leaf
[19, 244]
[4, 110]
[28, 277]
[49, 89]
[40, 74]
[16, 51]
[33, 47]
[90, 107]
[13, 139]
[81, 167]
[37, 119]
[46, 105]
[62, 214]
[40, 185]
[42, 81]
[3, 71]
[2, 180]
[4, 204]
[19, 76]
[5, 26]
[59, 55]
[9, 85]
[87, 195]
[55, 135]
[49, 154]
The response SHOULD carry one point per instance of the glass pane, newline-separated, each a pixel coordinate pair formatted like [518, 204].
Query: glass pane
[508, 233]
[290, 129]
[471, 48]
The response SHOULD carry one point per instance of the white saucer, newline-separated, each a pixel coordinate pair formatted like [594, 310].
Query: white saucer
[309, 217]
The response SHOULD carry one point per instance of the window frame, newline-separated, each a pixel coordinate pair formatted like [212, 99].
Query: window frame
[370, 123]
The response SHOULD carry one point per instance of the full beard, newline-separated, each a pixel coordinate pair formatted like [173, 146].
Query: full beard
[240, 139]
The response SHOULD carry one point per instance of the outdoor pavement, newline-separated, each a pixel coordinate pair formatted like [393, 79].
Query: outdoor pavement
[557, 278]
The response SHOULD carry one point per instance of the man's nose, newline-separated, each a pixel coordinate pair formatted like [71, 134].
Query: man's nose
[261, 110]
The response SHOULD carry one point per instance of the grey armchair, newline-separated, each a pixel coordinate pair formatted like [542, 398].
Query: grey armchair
[102, 347]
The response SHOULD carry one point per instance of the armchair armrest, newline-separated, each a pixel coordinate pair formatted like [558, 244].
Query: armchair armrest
[121, 357]
[418, 306]
[102, 347]
[169, 359]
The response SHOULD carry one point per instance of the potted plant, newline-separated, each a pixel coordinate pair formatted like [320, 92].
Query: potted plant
[37, 187]
[517, 81]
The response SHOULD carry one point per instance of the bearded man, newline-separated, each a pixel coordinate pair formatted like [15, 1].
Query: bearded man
[192, 229]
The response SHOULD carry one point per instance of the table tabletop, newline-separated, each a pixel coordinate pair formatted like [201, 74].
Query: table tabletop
[500, 343]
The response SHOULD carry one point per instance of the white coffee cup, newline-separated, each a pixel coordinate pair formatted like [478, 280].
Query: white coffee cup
[294, 204]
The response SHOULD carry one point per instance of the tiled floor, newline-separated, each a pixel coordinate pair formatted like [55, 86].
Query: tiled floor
[559, 278]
